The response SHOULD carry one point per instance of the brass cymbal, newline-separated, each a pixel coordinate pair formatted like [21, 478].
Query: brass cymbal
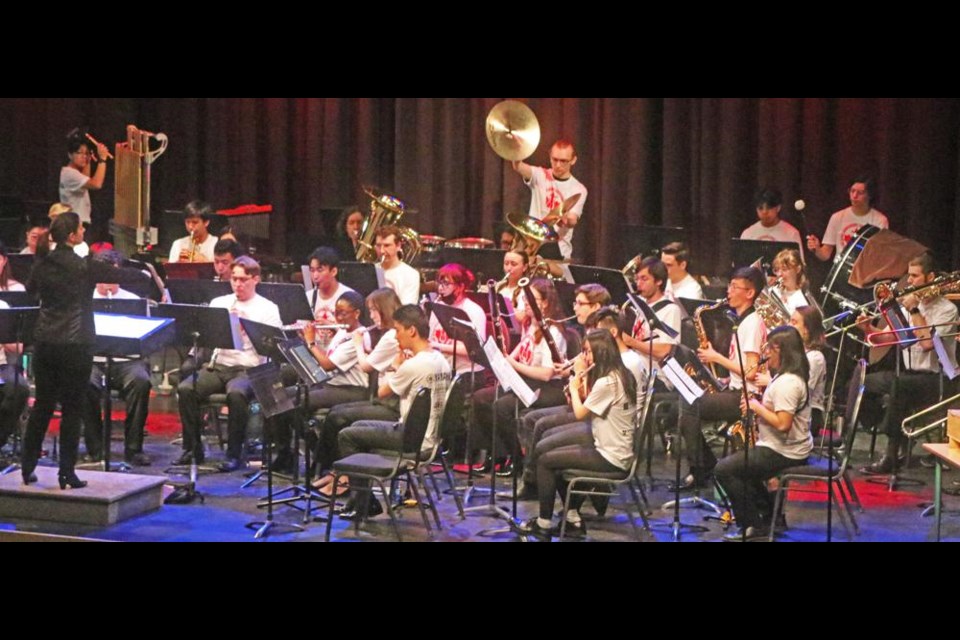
[561, 209]
[512, 130]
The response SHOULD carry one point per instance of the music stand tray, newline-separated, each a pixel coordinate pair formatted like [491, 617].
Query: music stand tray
[363, 277]
[746, 252]
[17, 299]
[190, 271]
[121, 306]
[290, 298]
[612, 279]
[197, 291]
[297, 353]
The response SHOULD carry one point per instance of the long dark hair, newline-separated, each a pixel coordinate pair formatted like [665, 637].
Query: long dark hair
[793, 357]
[813, 323]
[61, 229]
[607, 360]
[6, 279]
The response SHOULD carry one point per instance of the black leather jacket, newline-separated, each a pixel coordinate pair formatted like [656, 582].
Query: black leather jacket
[64, 283]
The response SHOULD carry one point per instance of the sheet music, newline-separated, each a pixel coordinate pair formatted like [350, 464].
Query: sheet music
[381, 282]
[682, 382]
[945, 365]
[565, 268]
[509, 379]
[236, 331]
[125, 326]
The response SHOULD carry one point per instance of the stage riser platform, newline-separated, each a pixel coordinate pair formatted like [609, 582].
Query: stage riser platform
[109, 498]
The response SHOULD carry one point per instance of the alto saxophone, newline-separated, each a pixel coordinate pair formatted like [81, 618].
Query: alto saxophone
[704, 340]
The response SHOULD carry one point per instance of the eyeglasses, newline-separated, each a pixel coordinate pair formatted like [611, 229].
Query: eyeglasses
[241, 279]
[580, 303]
[445, 283]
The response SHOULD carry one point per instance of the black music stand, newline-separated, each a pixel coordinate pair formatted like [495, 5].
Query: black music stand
[121, 306]
[265, 340]
[201, 327]
[483, 300]
[16, 324]
[198, 292]
[274, 402]
[362, 277]
[647, 239]
[676, 367]
[21, 264]
[612, 280]
[190, 271]
[290, 298]
[123, 335]
[746, 252]
[485, 263]
[15, 299]
[456, 323]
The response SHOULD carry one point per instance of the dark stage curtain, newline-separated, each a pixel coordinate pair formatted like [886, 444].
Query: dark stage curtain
[683, 162]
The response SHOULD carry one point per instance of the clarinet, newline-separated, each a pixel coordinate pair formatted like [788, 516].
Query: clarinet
[495, 316]
[538, 318]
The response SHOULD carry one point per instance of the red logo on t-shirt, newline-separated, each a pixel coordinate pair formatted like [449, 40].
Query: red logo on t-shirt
[441, 336]
[849, 232]
[525, 352]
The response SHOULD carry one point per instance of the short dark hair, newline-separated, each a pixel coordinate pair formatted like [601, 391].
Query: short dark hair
[752, 275]
[873, 190]
[564, 143]
[594, 293]
[767, 197]
[389, 230]
[678, 250]
[925, 261]
[63, 225]
[109, 257]
[656, 269]
[223, 247]
[325, 256]
[198, 209]
[609, 316]
[248, 264]
[76, 139]
[410, 315]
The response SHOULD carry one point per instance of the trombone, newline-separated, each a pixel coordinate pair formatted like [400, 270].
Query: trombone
[902, 341]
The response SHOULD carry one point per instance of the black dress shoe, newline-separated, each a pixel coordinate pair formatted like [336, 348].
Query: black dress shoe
[527, 491]
[70, 480]
[373, 510]
[231, 464]
[752, 533]
[29, 477]
[532, 528]
[282, 463]
[689, 483]
[187, 458]
[574, 531]
[883, 466]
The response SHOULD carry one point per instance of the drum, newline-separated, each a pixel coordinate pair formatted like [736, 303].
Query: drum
[837, 286]
[470, 243]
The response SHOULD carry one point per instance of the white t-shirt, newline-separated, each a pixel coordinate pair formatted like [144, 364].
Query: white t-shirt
[818, 378]
[324, 308]
[405, 280]
[783, 231]
[753, 333]
[845, 224]
[792, 300]
[479, 321]
[937, 311]
[425, 369]
[121, 294]
[538, 355]
[668, 314]
[16, 286]
[385, 352]
[786, 393]
[73, 193]
[547, 193]
[343, 354]
[3, 352]
[637, 365]
[204, 249]
[612, 420]
[687, 288]
[258, 309]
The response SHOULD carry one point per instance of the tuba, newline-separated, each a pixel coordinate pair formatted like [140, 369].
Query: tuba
[531, 234]
[386, 210]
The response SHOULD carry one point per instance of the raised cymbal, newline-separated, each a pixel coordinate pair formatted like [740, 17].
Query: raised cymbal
[512, 130]
[554, 216]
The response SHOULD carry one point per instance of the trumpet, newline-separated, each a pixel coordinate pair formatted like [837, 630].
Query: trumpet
[96, 142]
[193, 246]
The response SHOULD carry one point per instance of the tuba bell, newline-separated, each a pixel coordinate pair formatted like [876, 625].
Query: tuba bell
[385, 210]
[531, 235]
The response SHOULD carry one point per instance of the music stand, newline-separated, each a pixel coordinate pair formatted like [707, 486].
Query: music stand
[290, 298]
[612, 280]
[362, 277]
[483, 300]
[199, 327]
[16, 324]
[125, 336]
[121, 306]
[746, 252]
[16, 299]
[274, 402]
[21, 265]
[485, 263]
[190, 271]
[647, 240]
[197, 292]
